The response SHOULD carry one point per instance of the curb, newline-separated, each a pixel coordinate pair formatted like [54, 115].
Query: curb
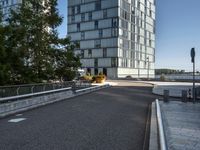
[45, 101]
[154, 139]
[157, 139]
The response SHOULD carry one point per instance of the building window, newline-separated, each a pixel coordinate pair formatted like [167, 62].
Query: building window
[95, 62]
[88, 71]
[82, 54]
[98, 5]
[78, 9]
[105, 15]
[82, 17]
[97, 43]
[78, 27]
[138, 38]
[89, 53]
[90, 16]
[73, 10]
[96, 71]
[138, 64]
[138, 6]
[132, 37]
[82, 35]
[125, 34]
[100, 33]
[105, 71]
[150, 43]
[96, 24]
[113, 62]
[114, 22]
[114, 32]
[150, 13]
[104, 52]
[73, 19]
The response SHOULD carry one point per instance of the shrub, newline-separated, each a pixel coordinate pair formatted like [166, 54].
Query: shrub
[100, 78]
[88, 74]
[87, 78]
[100, 73]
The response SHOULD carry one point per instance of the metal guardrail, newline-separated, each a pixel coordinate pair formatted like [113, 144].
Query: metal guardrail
[5, 99]
[162, 139]
[16, 90]
[178, 77]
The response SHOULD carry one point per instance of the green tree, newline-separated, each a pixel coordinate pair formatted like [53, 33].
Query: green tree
[33, 45]
[4, 65]
[67, 63]
[31, 34]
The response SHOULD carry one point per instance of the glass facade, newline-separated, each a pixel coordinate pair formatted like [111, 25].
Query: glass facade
[119, 33]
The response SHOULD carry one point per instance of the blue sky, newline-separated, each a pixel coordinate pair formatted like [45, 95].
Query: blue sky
[177, 31]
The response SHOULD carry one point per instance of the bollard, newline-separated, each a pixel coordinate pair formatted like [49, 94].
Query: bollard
[184, 96]
[190, 94]
[166, 96]
[198, 93]
[74, 86]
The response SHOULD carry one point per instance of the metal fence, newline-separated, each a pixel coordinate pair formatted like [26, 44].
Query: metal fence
[8, 91]
[178, 77]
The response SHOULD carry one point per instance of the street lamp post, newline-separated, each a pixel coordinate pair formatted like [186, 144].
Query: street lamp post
[193, 61]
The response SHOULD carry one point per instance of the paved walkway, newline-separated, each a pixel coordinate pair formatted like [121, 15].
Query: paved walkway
[182, 125]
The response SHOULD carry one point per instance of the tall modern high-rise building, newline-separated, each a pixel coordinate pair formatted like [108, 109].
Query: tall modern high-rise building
[117, 37]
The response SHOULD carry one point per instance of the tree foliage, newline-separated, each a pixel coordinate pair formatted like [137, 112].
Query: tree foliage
[4, 66]
[34, 51]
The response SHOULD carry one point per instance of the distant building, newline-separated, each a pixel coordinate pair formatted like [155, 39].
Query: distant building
[6, 5]
[117, 37]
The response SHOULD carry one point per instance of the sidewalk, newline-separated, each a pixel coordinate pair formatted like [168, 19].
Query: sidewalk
[175, 88]
[181, 122]
[181, 125]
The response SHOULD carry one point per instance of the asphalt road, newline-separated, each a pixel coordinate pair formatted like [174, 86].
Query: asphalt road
[110, 119]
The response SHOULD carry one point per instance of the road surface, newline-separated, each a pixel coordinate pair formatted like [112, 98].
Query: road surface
[109, 119]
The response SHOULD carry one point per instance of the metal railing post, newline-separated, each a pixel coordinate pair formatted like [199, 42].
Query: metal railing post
[53, 86]
[32, 88]
[44, 87]
[18, 90]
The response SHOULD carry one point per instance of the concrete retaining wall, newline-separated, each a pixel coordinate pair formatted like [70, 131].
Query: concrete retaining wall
[30, 102]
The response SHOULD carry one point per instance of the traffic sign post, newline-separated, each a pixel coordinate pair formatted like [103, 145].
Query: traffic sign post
[193, 61]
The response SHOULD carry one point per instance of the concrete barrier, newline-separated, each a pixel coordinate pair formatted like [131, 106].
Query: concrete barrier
[174, 91]
[25, 102]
